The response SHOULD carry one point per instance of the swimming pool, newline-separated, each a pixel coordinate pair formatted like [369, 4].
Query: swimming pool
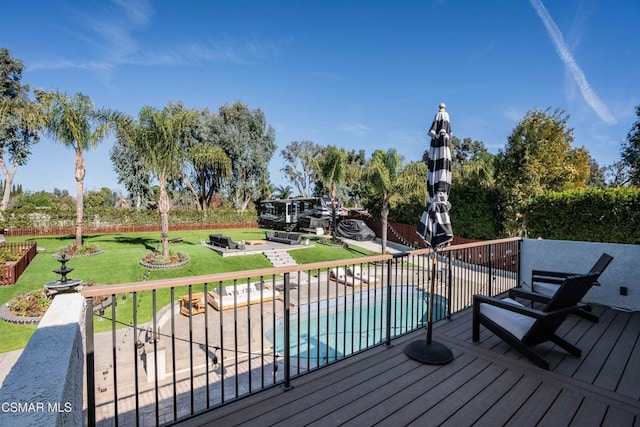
[330, 329]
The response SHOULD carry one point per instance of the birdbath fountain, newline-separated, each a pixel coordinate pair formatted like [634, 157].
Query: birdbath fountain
[63, 284]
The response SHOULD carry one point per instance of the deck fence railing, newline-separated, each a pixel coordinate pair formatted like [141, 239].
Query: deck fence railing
[166, 350]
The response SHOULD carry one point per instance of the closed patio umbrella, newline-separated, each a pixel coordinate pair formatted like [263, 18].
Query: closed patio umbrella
[435, 228]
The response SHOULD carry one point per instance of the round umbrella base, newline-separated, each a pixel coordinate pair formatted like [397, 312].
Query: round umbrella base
[432, 354]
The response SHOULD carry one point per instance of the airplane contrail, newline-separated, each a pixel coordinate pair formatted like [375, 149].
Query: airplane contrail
[563, 51]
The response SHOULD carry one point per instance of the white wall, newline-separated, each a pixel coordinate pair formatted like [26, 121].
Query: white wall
[579, 257]
[44, 387]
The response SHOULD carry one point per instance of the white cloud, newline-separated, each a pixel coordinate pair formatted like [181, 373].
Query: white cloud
[357, 129]
[565, 55]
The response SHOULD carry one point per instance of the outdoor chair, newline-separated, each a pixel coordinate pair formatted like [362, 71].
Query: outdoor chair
[525, 327]
[547, 282]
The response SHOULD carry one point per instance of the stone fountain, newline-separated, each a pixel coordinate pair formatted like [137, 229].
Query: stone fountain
[63, 284]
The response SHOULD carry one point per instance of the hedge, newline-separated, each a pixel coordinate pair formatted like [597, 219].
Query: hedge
[593, 215]
[104, 217]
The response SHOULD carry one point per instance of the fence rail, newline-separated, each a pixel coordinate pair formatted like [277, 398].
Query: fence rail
[243, 332]
[11, 271]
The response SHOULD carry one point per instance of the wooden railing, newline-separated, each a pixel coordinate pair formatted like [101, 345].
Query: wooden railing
[11, 271]
[152, 365]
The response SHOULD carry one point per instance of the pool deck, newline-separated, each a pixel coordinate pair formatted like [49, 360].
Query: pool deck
[486, 384]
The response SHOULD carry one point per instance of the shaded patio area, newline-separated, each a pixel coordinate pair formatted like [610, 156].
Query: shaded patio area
[487, 383]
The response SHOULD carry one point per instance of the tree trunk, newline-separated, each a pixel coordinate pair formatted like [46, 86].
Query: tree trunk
[196, 198]
[80, 172]
[163, 208]
[384, 213]
[8, 183]
[245, 203]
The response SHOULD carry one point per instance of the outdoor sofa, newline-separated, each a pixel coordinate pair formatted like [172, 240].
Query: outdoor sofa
[225, 242]
[284, 237]
[240, 295]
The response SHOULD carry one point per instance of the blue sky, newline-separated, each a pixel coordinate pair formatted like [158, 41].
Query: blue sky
[356, 74]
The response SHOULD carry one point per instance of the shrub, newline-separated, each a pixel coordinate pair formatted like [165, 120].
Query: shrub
[74, 251]
[32, 304]
[591, 215]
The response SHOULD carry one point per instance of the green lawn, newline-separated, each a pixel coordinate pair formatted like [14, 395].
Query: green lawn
[120, 264]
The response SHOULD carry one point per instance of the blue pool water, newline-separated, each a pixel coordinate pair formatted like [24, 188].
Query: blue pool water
[331, 329]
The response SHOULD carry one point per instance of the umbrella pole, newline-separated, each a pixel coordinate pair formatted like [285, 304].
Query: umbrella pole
[432, 292]
[428, 351]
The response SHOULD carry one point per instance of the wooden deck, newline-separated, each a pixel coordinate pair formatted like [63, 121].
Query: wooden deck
[487, 384]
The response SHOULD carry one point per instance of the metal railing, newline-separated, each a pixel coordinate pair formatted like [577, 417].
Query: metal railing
[179, 347]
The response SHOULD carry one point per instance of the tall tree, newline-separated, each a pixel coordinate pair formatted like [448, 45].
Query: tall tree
[631, 151]
[333, 172]
[596, 174]
[157, 140]
[389, 181]
[132, 172]
[298, 167]
[74, 122]
[209, 164]
[20, 122]
[538, 158]
[250, 143]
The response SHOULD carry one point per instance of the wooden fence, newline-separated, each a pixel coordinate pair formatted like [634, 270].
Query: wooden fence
[11, 271]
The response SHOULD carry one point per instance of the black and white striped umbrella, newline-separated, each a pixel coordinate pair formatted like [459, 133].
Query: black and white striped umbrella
[435, 225]
[435, 229]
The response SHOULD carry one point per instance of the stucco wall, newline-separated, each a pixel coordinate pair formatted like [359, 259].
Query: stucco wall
[44, 387]
[579, 257]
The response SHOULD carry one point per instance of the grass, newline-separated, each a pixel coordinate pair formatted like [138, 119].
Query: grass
[119, 263]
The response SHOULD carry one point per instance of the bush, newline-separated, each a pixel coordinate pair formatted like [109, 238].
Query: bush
[32, 304]
[156, 258]
[7, 255]
[75, 251]
[592, 215]
[31, 217]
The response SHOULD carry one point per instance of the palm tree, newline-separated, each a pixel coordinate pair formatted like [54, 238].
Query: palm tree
[74, 122]
[156, 139]
[333, 172]
[283, 191]
[389, 181]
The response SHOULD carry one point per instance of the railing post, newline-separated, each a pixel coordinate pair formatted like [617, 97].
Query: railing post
[89, 348]
[449, 285]
[287, 332]
[387, 342]
[490, 270]
[519, 251]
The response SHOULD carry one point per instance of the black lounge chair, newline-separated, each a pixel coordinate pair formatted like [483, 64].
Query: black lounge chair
[547, 282]
[524, 327]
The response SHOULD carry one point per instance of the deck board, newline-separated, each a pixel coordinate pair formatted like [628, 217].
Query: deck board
[486, 384]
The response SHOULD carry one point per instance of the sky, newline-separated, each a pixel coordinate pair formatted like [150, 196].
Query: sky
[355, 74]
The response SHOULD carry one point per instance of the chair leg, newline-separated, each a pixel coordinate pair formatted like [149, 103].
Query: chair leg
[533, 356]
[570, 348]
[476, 322]
[587, 314]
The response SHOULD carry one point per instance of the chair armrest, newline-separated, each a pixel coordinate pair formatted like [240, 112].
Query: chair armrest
[525, 311]
[531, 296]
[551, 273]
[553, 277]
